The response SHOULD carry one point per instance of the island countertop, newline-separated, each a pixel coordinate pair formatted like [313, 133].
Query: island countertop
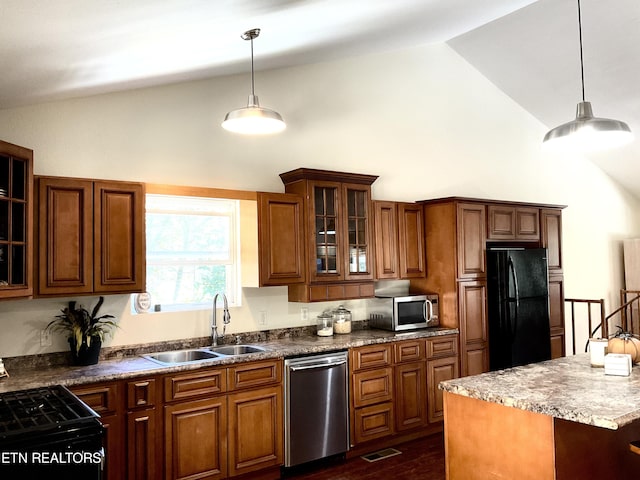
[566, 388]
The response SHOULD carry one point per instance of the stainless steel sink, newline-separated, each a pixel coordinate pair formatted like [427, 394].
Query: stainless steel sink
[237, 349]
[181, 356]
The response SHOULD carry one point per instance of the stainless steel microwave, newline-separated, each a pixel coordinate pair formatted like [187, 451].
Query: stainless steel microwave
[403, 312]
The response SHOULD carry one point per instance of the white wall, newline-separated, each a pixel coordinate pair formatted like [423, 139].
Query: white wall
[422, 118]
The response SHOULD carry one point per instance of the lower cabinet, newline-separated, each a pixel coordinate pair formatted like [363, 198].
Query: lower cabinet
[255, 430]
[411, 396]
[195, 436]
[142, 434]
[394, 387]
[106, 400]
[209, 423]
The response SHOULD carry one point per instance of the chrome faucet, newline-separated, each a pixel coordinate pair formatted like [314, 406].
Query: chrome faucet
[226, 319]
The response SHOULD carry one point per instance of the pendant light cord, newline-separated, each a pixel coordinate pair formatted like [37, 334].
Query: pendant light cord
[581, 58]
[253, 86]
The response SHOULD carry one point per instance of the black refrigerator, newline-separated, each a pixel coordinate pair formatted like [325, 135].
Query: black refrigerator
[518, 307]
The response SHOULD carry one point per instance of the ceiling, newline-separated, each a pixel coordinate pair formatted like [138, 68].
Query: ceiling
[528, 48]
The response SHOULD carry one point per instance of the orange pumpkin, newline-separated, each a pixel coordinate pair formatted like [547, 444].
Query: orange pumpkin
[625, 343]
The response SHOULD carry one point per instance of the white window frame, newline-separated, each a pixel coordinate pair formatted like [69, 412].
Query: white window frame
[232, 211]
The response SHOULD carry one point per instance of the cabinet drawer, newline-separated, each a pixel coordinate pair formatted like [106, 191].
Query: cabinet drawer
[371, 356]
[409, 351]
[256, 374]
[103, 397]
[372, 386]
[141, 393]
[373, 422]
[444, 346]
[189, 385]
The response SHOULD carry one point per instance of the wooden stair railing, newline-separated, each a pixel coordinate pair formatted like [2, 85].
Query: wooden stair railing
[602, 323]
[629, 311]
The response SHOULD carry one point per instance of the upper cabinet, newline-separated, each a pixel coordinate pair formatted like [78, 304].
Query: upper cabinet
[90, 236]
[280, 239]
[399, 240]
[513, 223]
[16, 221]
[338, 229]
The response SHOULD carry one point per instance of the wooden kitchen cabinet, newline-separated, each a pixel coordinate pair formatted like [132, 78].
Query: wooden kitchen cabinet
[106, 400]
[556, 315]
[513, 223]
[256, 416]
[551, 220]
[442, 364]
[16, 221]
[90, 237]
[411, 395]
[143, 429]
[195, 435]
[457, 231]
[281, 239]
[399, 240]
[256, 430]
[338, 229]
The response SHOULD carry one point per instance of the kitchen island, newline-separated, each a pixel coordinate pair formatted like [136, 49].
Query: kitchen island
[560, 419]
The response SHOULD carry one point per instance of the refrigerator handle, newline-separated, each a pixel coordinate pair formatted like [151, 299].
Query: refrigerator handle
[514, 323]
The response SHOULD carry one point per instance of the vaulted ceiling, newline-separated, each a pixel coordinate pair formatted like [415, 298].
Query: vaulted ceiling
[529, 49]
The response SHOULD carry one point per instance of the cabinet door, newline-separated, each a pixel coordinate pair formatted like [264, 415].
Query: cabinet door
[386, 232]
[65, 236]
[281, 239]
[527, 224]
[142, 436]
[556, 315]
[472, 239]
[196, 439]
[357, 226]
[375, 421]
[551, 221]
[256, 431]
[472, 297]
[119, 242]
[438, 371]
[502, 222]
[411, 251]
[326, 256]
[16, 221]
[411, 396]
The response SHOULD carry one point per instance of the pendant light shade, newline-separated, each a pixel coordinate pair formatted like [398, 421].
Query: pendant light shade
[587, 132]
[253, 119]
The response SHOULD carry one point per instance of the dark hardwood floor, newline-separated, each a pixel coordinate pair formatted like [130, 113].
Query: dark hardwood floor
[420, 459]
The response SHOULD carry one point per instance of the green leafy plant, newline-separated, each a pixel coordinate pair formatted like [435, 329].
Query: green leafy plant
[82, 325]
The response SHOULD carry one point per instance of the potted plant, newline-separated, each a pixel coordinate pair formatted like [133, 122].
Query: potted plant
[86, 331]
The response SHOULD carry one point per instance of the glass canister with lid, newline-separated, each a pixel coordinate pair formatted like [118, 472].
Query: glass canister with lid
[341, 320]
[324, 322]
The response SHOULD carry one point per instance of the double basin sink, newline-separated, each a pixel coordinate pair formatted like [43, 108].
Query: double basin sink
[178, 357]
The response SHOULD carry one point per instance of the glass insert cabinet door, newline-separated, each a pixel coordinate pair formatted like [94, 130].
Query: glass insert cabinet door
[15, 193]
[326, 231]
[341, 233]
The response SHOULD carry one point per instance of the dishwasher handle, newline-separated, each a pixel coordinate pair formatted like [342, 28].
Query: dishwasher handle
[310, 366]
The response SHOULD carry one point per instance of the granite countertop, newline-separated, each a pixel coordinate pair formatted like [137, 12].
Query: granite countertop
[135, 366]
[567, 388]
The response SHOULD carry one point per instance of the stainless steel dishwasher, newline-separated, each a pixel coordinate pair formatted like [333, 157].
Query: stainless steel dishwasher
[316, 407]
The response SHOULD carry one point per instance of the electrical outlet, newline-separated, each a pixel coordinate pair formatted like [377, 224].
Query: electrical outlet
[304, 314]
[45, 338]
[263, 318]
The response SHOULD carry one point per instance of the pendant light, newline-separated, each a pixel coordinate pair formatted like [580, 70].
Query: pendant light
[587, 132]
[253, 119]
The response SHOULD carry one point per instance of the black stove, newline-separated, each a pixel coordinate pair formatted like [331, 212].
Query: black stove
[49, 430]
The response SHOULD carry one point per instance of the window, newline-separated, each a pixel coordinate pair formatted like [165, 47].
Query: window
[192, 251]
